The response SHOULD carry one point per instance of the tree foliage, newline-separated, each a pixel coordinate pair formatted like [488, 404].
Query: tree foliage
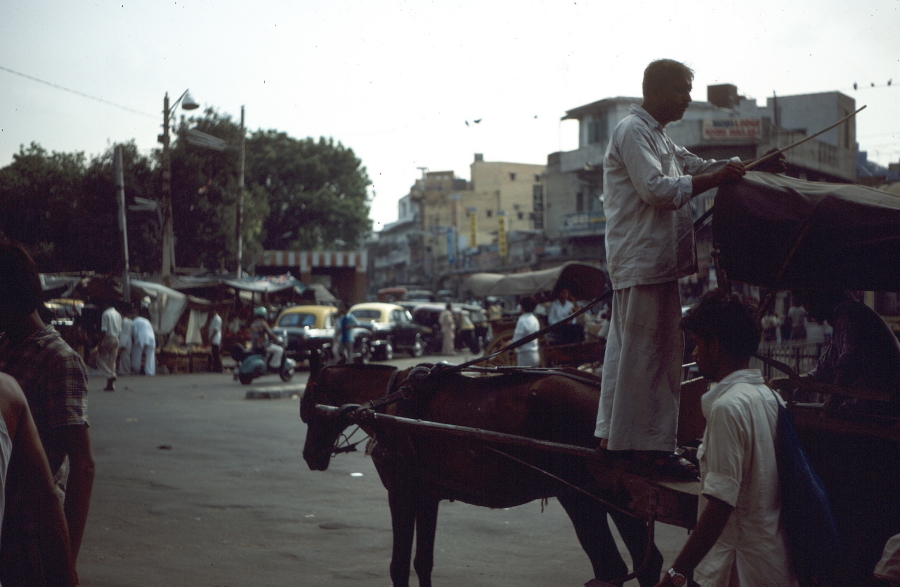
[316, 192]
[299, 194]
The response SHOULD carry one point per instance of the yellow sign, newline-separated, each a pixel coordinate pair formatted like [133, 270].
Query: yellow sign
[473, 227]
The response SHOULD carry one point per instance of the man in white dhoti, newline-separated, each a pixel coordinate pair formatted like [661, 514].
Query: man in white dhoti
[648, 182]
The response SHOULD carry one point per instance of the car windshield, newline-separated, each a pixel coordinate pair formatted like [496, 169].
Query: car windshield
[297, 319]
[370, 315]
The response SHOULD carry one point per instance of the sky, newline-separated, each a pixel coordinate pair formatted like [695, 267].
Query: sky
[396, 81]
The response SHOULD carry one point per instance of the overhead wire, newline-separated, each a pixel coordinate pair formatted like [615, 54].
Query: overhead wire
[77, 93]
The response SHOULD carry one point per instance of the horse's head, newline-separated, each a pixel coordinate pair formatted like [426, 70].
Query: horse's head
[336, 385]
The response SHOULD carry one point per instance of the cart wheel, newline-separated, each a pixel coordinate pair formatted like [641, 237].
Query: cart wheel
[500, 340]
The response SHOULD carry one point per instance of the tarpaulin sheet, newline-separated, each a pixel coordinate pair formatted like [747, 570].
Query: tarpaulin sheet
[584, 281]
[784, 233]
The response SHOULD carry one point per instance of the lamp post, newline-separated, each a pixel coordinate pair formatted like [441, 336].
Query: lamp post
[165, 202]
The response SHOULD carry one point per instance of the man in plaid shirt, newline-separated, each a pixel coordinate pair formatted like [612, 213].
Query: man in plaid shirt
[54, 380]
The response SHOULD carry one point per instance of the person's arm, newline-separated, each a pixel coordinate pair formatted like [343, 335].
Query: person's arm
[75, 442]
[28, 468]
[638, 154]
[707, 181]
[708, 529]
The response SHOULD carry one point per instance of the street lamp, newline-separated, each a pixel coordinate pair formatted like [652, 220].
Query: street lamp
[165, 202]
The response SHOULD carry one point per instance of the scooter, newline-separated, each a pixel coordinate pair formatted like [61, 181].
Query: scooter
[254, 363]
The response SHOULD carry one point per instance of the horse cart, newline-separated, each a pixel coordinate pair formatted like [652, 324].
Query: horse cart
[499, 436]
[584, 282]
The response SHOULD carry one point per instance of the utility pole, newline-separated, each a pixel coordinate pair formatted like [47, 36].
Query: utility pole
[239, 208]
[426, 259]
[123, 224]
[165, 202]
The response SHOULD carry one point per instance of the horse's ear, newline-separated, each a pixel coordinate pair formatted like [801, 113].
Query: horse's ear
[315, 364]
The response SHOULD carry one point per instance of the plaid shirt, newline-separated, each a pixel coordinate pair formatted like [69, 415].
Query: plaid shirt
[53, 377]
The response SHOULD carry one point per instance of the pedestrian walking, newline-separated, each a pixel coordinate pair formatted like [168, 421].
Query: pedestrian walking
[143, 344]
[215, 340]
[111, 328]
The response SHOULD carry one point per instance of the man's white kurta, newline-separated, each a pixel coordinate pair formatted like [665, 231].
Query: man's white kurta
[737, 466]
[649, 245]
[641, 382]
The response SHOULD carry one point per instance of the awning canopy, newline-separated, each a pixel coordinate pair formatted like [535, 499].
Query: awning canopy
[784, 233]
[583, 280]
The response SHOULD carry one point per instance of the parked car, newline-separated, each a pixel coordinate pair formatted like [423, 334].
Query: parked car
[311, 328]
[392, 329]
[475, 337]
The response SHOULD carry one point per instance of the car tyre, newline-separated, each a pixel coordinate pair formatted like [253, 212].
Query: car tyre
[387, 351]
[364, 354]
[418, 348]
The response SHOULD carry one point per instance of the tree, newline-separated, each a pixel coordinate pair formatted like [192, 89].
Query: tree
[316, 192]
[299, 194]
[100, 238]
[40, 195]
[204, 197]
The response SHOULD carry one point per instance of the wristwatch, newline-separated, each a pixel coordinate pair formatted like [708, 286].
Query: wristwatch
[677, 579]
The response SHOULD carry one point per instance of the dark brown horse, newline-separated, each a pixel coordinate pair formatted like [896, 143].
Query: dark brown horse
[420, 470]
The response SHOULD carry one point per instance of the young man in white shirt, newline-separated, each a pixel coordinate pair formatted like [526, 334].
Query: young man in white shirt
[737, 539]
[527, 355]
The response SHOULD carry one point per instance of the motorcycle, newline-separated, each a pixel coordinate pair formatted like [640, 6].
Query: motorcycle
[254, 363]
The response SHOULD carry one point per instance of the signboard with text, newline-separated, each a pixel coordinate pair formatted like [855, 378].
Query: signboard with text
[723, 129]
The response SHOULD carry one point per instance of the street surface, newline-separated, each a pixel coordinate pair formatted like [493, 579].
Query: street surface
[198, 486]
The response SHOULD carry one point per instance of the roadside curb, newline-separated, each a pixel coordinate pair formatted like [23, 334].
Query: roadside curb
[281, 393]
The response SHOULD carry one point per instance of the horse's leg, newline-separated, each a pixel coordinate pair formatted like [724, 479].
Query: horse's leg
[403, 523]
[426, 527]
[634, 534]
[592, 528]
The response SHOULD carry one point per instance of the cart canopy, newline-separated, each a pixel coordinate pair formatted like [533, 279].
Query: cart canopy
[583, 280]
[784, 233]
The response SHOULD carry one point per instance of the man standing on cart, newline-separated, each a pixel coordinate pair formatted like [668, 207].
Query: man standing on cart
[648, 184]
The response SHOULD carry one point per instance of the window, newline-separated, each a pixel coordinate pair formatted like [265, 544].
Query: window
[521, 215]
[512, 177]
[489, 213]
[598, 131]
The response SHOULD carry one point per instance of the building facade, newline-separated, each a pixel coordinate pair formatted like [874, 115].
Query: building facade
[448, 226]
[726, 125]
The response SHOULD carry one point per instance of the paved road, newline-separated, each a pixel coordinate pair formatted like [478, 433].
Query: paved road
[198, 486]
